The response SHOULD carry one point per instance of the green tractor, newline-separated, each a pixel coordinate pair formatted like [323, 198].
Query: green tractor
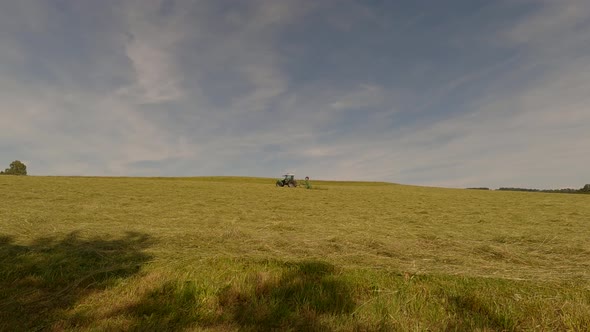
[288, 180]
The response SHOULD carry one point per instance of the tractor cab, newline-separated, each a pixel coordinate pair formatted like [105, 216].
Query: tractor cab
[287, 180]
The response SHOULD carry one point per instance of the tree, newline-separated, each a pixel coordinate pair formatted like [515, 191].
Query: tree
[586, 189]
[16, 168]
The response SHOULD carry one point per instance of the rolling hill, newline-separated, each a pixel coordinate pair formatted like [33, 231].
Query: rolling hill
[230, 253]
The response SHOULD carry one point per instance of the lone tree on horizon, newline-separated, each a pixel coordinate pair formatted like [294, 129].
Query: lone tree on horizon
[16, 168]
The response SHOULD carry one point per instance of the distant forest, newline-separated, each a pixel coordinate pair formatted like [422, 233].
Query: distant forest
[584, 190]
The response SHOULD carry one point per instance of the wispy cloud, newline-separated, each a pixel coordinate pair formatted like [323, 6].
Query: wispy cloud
[150, 48]
[485, 94]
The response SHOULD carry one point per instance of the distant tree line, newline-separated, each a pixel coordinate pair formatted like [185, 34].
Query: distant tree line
[584, 190]
[16, 168]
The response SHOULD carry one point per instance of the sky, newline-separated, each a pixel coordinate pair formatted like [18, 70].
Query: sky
[459, 93]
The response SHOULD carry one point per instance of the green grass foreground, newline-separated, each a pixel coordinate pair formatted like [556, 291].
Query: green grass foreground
[224, 254]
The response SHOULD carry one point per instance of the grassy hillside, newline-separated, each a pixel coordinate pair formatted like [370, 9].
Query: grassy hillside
[240, 254]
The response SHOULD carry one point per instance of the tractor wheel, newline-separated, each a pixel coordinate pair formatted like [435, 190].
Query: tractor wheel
[292, 185]
[280, 184]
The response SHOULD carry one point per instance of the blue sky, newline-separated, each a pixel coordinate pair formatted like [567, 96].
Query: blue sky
[440, 93]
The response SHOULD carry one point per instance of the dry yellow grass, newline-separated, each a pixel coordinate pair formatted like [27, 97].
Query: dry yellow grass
[238, 253]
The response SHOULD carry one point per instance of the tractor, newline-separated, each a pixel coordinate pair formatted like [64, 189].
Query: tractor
[288, 180]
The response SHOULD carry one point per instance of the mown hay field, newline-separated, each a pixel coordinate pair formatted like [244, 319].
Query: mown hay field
[226, 254]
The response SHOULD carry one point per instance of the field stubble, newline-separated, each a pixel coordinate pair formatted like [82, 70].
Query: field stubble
[239, 253]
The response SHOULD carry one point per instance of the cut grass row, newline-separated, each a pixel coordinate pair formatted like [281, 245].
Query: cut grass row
[240, 254]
